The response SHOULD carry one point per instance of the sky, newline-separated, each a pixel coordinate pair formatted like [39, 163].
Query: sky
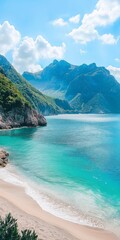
[35, 32]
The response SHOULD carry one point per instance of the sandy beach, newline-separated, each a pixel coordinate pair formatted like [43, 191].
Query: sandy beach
[14, 199]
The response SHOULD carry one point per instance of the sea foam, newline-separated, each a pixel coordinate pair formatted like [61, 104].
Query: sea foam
[51, 203]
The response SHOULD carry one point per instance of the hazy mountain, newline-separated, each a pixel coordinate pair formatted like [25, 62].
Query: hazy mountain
[54, 79]
[38, 101]
[88, 88]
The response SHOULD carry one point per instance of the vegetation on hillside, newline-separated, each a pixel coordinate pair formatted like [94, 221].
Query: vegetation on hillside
[38, 101]
[10, 97]
[9, 230]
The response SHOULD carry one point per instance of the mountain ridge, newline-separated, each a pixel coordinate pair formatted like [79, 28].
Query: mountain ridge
[40, 102]
[84, 86]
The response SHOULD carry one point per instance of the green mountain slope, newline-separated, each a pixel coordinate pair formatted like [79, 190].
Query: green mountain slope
[15, 110]
[39, 101]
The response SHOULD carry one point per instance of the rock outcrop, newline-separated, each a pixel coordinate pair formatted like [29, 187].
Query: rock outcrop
[21, 117]
[15, 110]
[3, 157]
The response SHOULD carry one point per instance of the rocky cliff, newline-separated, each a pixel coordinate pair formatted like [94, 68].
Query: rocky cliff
[20, 117]
[15, 110]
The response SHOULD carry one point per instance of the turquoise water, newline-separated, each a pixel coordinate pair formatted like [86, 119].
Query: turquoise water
[72, 166]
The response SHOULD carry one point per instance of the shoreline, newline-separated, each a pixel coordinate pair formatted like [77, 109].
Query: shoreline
[18, 200]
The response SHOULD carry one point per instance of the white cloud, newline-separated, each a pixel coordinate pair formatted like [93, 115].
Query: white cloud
[108, 39]
[117, 60]
[59, 22]
[75, 19]
[33, 68]
[27, 55]
[82, 52]
[45, 50]
[106, 12]
[114, 71]
[84, 34]
[9, 37]
[27, 52]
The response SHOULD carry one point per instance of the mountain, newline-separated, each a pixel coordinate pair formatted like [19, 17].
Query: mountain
[54, 79]
[40, 102]
[88, 88]
[15, 110]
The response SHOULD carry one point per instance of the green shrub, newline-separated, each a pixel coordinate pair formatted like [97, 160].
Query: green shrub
[10, 97]
[9, 230]
[27, 234]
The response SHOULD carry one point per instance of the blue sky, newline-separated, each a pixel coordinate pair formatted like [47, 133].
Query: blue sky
[33, 33]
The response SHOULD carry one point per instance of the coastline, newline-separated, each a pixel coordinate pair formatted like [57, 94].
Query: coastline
[29, 214]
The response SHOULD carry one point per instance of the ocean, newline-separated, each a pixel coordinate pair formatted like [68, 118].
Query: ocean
[71, 167]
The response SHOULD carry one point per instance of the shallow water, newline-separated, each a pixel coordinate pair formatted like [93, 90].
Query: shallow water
[71, 167]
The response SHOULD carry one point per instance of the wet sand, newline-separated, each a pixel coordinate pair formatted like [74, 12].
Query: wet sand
[29, 214]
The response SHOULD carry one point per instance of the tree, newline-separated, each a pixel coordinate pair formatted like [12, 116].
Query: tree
[9, 230]
[28, 234]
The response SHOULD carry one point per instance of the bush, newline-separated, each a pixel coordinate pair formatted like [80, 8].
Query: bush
[9, 230]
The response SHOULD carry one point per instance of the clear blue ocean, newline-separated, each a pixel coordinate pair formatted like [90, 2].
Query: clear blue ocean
[71, 167]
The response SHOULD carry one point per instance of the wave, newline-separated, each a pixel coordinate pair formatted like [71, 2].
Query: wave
[89, 214]
[88, 117]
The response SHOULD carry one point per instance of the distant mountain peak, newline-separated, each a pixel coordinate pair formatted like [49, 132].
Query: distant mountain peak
[88, 88]
[92, 65]
[55, 61]
[37, 100]
[64, 62]
[4, 59]
[60, 63]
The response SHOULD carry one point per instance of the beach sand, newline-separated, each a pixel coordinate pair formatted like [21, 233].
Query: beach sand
[29, 214]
